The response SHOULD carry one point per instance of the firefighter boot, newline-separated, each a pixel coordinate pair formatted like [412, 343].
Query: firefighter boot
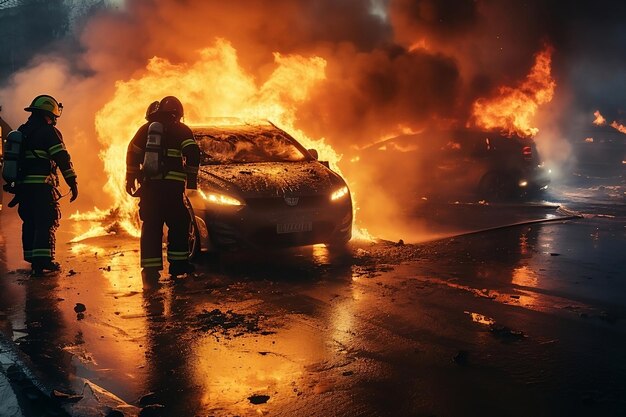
[150, 276]
[150, 272]
[178, 268]
[39, 268]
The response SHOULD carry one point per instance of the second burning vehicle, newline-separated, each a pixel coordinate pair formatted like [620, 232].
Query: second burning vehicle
[259, 188]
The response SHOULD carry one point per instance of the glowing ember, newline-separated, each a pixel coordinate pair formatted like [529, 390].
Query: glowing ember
[214, 86]
[513, 109]
[599, 120]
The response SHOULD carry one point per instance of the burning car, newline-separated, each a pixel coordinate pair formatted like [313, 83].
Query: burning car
[463, 162]
[258, 188]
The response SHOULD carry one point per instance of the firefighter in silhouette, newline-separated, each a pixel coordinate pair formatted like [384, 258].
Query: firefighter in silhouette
[35, 188]
[162, 159]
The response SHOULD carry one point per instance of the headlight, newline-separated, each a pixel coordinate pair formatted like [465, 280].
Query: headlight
[340, 193]
[219, 199]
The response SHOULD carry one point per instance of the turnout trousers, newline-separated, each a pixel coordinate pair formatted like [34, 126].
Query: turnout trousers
[40, 214]
[162, 202]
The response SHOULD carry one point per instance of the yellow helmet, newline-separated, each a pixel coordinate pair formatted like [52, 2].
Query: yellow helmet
[46, 103]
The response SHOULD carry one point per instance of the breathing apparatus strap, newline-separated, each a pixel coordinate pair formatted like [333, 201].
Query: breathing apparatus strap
[58, 194]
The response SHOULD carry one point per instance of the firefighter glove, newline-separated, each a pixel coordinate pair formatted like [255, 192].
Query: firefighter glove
[74, 191]
[9, 188]
[14, 202]
[131, 186]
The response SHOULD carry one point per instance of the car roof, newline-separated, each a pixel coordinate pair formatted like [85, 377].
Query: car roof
[236, 127]
[445, 135]
[232, 124]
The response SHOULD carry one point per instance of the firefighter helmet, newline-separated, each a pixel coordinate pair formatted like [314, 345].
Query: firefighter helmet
[46, 104]
[172, 105]
[152, 108]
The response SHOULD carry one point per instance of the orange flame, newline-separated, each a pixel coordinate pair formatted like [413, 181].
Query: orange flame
[214, 86]
[619, 127]
[513, 109]
[599, 119]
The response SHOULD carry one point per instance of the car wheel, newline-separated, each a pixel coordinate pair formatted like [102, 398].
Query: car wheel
[496, 186]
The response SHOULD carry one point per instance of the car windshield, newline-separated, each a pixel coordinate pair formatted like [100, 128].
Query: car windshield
[246, 144]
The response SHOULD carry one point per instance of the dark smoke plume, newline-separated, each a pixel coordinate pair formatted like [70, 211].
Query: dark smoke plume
[392, 65]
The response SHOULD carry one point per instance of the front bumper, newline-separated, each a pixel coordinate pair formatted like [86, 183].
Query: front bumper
[261, 223]
[536, 180]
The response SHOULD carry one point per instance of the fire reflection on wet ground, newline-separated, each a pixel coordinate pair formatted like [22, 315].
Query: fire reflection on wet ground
[309, 331]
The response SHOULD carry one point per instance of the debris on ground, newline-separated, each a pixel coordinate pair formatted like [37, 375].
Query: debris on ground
[369, 271]
[481, 319]
[506, 333]
[65, 397]
[461, 358]
[80, 308]
[229, 323]
[148, 399]
[153, 410]
[258, 399]
[71, 272]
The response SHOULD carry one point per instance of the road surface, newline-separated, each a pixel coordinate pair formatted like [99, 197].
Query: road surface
[514, 321]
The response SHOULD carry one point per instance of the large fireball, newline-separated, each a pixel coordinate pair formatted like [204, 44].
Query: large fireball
[214, 86]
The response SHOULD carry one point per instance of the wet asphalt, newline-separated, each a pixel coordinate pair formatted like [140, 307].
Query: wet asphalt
[508, 321]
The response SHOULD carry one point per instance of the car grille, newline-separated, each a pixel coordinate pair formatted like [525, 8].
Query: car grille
[266, 203]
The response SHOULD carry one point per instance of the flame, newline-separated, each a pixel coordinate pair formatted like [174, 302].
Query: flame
[421, 44]
[599, 120]
[214, 86]
[619, 127]
[513, 109]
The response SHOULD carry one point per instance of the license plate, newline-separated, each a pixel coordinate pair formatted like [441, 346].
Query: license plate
[294, 227]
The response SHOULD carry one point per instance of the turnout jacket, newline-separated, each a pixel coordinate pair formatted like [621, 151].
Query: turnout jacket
[43, 151]
[181, 155]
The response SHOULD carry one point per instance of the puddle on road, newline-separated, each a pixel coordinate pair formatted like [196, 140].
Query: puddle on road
[229, 372]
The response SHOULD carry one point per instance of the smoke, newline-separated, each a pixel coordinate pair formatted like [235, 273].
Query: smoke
[392, 65]
[375, 94]
[56, 76]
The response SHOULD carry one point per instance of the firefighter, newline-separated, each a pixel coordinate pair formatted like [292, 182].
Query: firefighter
[161, 190]
[36, 188]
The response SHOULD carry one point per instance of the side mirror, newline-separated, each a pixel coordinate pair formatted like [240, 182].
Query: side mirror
[314, 153]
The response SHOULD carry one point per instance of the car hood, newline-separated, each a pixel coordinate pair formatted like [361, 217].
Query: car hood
[271, 178]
